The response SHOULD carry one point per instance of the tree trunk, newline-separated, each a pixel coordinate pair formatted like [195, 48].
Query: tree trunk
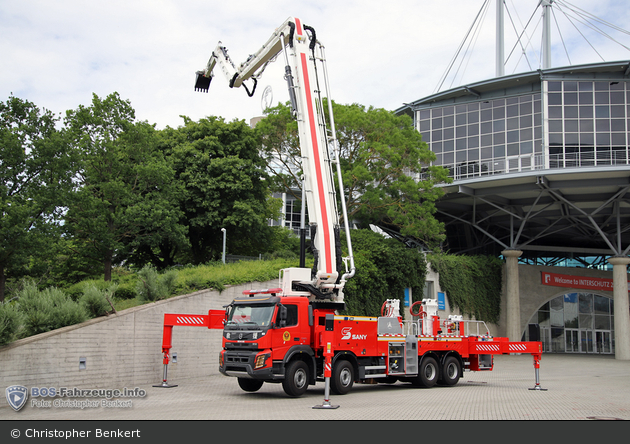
[3, 280]
[108, 266]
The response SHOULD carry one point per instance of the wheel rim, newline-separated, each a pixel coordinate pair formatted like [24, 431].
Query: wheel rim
[430, 372]
[451, 370]
[345, 377]
[300, 378]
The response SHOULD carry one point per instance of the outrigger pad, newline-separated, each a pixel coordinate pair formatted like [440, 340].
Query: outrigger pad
[202, 84]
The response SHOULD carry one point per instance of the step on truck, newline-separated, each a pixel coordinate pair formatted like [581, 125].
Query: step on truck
[294, 334]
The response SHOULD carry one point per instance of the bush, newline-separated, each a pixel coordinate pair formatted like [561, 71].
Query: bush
[384, 268]
[48, 309]
[126, 290]
[10, 323]
[472, 283]
[153, 287]
[95, 300]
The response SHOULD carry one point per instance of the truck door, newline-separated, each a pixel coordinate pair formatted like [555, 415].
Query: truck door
[291, 330]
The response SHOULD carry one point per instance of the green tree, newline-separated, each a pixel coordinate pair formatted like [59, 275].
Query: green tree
[384, 268]
[224, 185]
[387, 172]
[35, 174]
[125, 195]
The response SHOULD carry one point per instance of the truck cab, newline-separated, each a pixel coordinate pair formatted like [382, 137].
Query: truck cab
[263, 337]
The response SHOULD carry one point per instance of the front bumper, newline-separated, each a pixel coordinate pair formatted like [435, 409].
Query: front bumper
[241, 364]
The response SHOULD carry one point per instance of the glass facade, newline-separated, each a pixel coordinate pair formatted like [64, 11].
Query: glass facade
[485, 137]
[570, 123]
[588, 123]
[576, 323]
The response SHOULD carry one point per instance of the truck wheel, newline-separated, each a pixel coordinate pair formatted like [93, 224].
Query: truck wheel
[428, 375]
[342, 378]
[250, 385]
[451, 371]
[295, 380]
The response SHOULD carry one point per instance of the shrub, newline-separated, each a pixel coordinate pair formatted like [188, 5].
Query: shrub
[153, 287]
[10, 323]
[95, 300]
[48, 309]
[126, 290]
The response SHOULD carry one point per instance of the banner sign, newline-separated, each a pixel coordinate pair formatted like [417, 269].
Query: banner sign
[581, 282]
[441, 301]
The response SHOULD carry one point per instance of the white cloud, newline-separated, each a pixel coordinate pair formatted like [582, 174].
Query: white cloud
[56, 54]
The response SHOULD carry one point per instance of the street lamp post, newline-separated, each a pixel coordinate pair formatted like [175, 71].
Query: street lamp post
[223, 255]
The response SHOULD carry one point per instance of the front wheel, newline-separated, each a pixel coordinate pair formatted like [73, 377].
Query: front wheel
[342, 378]
[250, 385]
[295, 380]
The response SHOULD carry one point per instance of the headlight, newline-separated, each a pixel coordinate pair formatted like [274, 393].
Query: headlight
[260, 360]
[221, 359]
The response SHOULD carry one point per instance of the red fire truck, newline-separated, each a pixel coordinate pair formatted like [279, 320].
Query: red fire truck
[294, 334]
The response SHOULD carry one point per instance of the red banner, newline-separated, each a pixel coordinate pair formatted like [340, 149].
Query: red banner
[581, 282]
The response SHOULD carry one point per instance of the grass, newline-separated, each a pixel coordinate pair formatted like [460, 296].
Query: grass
[216, 276]
[53, 307]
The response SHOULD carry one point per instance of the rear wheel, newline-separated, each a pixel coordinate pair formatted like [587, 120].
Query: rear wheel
[342, 378]
[295, 380]
[451, 371]
[250, 385]
[428, 375]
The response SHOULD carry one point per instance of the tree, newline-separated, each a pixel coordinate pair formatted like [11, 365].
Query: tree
[35, 174]
[224, 185]
[387, 172]
[125, 193]
[385, 267]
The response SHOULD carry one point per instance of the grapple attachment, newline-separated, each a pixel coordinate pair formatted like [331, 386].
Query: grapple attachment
[202, 84]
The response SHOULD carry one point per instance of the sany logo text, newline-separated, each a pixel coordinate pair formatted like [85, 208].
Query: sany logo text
[347, 334]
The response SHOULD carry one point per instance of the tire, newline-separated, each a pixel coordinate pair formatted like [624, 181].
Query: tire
[296, 378]
[428, 374]
[451, 371]
[250, 385]
[342, 378]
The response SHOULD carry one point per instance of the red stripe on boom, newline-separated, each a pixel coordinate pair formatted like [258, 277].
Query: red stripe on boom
[318, 167]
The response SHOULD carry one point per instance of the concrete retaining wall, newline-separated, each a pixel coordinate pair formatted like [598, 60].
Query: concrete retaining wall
[120, 350]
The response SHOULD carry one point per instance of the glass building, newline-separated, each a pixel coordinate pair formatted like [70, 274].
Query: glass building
[576, 323]
[539, 163]
[539, 160]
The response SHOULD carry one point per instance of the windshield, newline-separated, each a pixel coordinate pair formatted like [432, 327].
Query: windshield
[250, 316]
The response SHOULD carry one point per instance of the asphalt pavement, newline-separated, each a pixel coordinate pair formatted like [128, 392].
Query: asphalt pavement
[571, 388]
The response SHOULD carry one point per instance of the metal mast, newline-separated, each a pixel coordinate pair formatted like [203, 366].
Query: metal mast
[500, 40]
[546, 37]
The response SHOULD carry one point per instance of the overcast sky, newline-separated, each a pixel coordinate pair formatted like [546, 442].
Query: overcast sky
[57, 53]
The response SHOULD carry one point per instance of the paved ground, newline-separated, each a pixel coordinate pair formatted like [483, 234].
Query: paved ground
[578, 387]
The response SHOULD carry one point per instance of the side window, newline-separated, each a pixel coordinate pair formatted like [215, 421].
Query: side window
[292, 315]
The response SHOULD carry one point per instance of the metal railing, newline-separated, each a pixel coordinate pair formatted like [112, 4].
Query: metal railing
[470, 327]
[469, 170]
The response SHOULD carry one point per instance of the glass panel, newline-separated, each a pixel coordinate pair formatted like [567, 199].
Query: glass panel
[586, 302]
[602, 322]
[556, 307]
[586, 321]
[543, 318]
[570, 98]
[571, 112]
[557, 340]
[555, 99]
[555, 112]
[602, 305]
[585, 98]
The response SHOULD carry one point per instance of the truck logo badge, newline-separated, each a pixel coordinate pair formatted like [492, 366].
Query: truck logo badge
[16, 396]
[347, 334]
[286, 336]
